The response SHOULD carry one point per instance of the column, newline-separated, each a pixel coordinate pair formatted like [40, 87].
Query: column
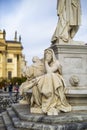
[4, 65]
[19, 65]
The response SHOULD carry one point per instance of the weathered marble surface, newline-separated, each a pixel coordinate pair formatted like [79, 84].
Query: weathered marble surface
[74, 69]
[48, 95]
[74, 62]
[69, 13]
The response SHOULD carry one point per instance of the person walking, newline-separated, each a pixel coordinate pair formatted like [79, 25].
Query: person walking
[10, 87]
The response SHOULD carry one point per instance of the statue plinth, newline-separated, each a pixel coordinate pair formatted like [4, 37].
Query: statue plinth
[19, 117]
[74, 61]
[73, 58]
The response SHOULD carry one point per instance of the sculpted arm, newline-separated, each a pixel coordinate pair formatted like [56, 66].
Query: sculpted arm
[49, 69]
[29, 72]
[60, 6]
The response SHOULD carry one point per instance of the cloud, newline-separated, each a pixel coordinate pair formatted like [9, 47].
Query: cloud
[35, 21]
[31, 20]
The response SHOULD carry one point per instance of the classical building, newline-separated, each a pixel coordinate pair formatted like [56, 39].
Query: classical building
[12, 60]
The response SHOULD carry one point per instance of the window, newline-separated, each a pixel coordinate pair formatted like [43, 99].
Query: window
[9, 60]
[9, 74]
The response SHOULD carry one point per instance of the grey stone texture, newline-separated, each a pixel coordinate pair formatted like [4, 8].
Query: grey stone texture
[73, 58]
[18, 117]
[74, 62]
[2, 126]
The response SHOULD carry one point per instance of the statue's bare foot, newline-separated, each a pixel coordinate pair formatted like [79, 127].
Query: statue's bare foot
[23, 101]
[53, 111]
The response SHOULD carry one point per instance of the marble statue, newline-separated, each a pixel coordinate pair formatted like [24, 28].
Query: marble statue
[69, 12]
[35, 70]
[50, 86]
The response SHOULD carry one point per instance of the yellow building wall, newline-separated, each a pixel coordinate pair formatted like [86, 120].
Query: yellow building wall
[12, 66]
[0, 65]
[10, 50]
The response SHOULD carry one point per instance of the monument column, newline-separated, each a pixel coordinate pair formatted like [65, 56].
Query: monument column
[4, 66]
[71, 54]
[19, 65]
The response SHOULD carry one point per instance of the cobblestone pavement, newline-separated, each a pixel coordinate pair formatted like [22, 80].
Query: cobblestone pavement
[6, 100]
[2, 126]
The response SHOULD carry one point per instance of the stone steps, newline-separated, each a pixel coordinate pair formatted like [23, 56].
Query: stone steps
[2, 126]
[18, 117]
[62, 117]
[7, 121]
[22, 124]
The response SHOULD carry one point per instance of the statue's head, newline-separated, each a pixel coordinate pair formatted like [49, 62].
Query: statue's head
[49, 55]
[35, 59]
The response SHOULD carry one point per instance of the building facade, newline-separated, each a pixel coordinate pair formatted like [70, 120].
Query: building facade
[12, 60]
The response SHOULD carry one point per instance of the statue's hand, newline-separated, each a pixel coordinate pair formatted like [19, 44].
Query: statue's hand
[34, 81]
[46, 61]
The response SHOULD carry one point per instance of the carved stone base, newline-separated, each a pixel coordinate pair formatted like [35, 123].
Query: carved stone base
[73, 58]
[77, 97]
[18, 117]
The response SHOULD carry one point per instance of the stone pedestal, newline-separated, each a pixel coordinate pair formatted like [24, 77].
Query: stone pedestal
[18, 117]
[73, 58]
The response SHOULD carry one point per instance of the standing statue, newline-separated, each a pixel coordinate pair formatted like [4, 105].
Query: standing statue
[50, 86]
[69, 12]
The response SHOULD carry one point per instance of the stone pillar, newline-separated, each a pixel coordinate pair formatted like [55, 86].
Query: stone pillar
[19, 65]
[4, 65]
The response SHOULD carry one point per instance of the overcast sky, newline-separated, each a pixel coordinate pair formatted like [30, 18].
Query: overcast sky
[35, 21]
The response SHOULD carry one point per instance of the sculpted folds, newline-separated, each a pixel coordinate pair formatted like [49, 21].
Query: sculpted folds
[69, 12]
